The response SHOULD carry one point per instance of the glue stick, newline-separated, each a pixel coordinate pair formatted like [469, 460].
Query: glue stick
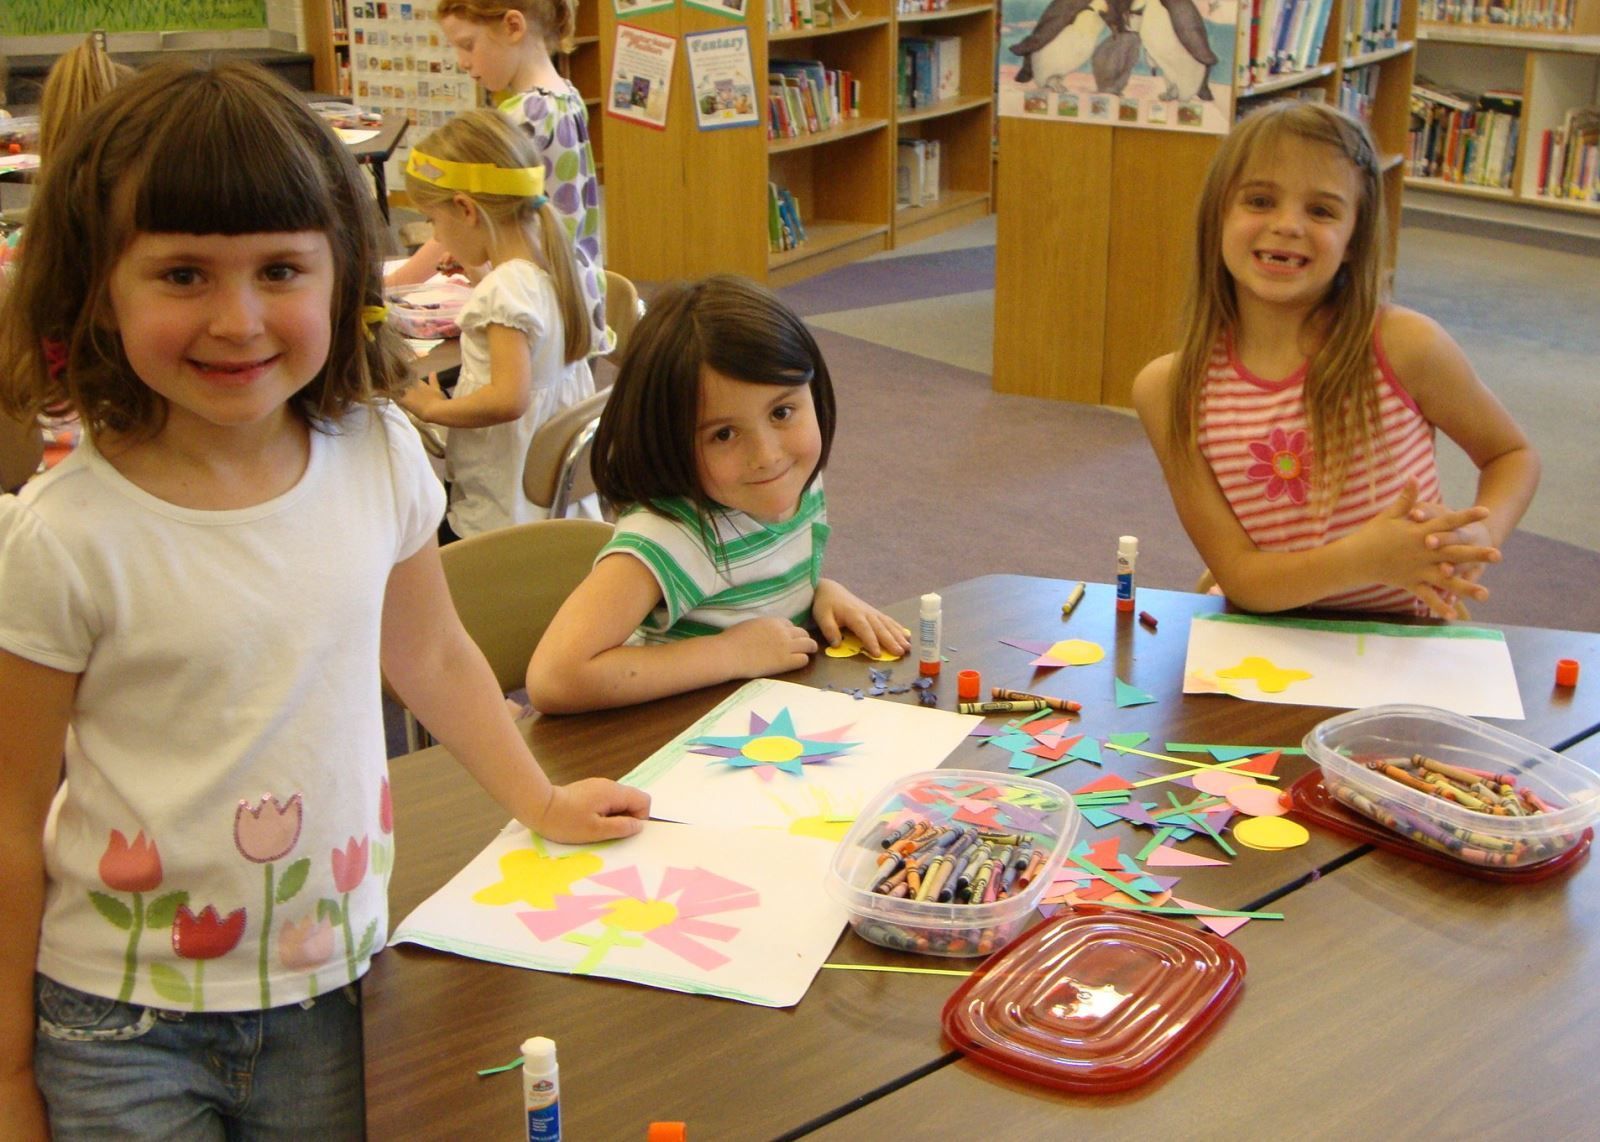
[1127, 554]
[930, 633]
[541, 1089]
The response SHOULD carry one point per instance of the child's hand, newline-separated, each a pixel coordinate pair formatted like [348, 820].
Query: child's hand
[594, 809]
[837, 610]
[421, 398]
[1417, 546]
[757, 648]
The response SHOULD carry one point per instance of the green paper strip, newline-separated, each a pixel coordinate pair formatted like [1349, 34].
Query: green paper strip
[1171, 911]
[1156, 842]
[887, 967]
[1047, 766]
[1205, 825]
[1191, 747]
[1359, 627]
[511, 1066]
[1087, 864]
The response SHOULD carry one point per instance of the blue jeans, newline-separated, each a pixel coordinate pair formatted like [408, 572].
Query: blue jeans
[118, 1070]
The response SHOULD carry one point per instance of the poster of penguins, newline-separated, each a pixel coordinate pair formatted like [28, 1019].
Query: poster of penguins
[1166, 64]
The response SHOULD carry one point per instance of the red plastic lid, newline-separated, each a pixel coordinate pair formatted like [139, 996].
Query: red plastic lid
[1094, 999]
[1309, 798]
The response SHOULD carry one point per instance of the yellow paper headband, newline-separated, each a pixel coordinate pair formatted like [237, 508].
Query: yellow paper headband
[476, 178]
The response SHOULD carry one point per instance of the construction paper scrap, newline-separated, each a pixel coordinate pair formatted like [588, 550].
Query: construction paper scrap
[1104, 853]
[1219, 781]
[1086, 749]
[1137, 813]
[1270, 833]
[1166, 856]
[1107, 783]
[502, 1068]
[1268, 675]
[1070, 652]
[739, 913]
[1099, 818]
[1201, 910]
[1049, 765]
[778, 754]
[1232, 752]
[1128, 695]
[1156, 841]
[1256, 800]
[849, 646]
[1222, 925]
[1059, 749]
[1129, 740]
[1260, 765]
[1351, 663]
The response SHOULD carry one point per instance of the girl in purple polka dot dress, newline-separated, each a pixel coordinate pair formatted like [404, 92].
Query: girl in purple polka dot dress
[506, 46]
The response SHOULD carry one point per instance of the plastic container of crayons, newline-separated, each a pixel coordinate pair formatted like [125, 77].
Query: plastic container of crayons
[952, 862]
[1456, 786]
[430, 310]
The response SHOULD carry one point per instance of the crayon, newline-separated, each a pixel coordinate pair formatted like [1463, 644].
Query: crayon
[1147, 619]
[1010, 707]
[1072, 601]
[1062, 705]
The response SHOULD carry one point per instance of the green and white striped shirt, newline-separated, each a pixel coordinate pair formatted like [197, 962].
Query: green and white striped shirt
[738, 569]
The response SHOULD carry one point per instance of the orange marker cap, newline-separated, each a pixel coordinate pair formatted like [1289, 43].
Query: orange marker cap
[667, 1132]
[969, 684]
[1567, 672]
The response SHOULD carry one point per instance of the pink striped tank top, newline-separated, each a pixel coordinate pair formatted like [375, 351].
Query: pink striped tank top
[1253, 433]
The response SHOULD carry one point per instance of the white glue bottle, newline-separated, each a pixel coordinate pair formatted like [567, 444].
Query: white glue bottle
[930, 633]
[1127, 556]
[541, 1089]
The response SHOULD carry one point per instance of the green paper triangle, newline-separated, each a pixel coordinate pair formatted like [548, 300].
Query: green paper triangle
[1131, 696]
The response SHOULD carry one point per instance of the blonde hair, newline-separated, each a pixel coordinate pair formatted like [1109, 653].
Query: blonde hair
[1340, 396]
[76, 82]
[556, 21]
[485, 136]
[185, 150]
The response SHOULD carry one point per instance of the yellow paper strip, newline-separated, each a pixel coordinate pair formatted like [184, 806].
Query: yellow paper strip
[1195, 765]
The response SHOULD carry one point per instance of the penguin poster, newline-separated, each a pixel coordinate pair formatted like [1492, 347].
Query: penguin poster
[1161, 64]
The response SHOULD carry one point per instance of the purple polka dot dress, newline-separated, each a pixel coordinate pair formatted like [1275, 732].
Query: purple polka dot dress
[558, 123]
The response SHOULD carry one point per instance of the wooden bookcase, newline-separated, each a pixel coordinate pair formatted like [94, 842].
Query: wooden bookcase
[328, 43]
[682, 202]
[582, 67]
[1095, 228]
[1554, 70]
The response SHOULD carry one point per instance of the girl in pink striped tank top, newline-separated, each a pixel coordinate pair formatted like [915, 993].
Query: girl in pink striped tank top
[1296, 424]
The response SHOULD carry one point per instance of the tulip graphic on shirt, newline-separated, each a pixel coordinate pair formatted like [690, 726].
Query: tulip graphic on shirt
[135, 868]
[304, 945]
[265, 833]
[383, 847]
[349, 870]
[208, 936]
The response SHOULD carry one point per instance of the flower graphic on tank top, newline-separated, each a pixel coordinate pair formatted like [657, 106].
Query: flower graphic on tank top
[349, 870]
[1282, 462]
[133, 867]
[266, 832]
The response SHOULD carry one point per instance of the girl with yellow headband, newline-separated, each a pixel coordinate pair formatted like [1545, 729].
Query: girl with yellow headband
[525, 336]
[507, 46]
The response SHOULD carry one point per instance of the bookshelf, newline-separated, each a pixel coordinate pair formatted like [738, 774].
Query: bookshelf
[682, 202]
[582, 68]
[1095, 224]
[1555, 69]
[328, 43]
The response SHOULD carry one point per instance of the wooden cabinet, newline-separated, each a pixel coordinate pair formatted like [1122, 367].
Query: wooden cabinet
[1095, 227]
[682, 202]
[1555, 70]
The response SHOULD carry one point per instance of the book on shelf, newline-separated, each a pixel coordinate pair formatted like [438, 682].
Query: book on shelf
[784, 229]
[917, 172]
[1569, 157]
[929, 70]
[1282, 37]
[807, 97]
[1544, 15]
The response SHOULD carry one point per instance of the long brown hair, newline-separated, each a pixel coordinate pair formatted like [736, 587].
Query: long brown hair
[76, 82]
[1340, 396]
[644, 448]
[183, 150]
[485, 136]
[554, 20]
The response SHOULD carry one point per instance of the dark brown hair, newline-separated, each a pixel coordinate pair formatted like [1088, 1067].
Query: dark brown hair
[644, 449]
[185, 150]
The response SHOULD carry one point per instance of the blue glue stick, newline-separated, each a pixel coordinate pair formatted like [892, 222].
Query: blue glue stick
[541, 1089]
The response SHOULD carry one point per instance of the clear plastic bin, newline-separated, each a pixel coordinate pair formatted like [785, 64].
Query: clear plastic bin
[1346, 746]
[991, 804]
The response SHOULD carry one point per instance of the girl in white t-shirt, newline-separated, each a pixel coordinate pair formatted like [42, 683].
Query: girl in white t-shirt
[524, 333]
[195, 822]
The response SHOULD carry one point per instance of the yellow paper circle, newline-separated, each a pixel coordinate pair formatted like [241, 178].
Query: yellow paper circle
[1270, 833]
[1076, 652]
[773, 748]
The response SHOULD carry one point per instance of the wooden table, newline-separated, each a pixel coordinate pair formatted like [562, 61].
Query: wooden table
[632, 1054]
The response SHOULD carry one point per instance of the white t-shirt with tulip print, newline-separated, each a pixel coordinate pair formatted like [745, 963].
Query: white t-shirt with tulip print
[223, 838]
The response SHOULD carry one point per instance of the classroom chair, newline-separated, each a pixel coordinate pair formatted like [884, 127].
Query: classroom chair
[623, 310]
[555, 474]
[21, 450]
[507, 585]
